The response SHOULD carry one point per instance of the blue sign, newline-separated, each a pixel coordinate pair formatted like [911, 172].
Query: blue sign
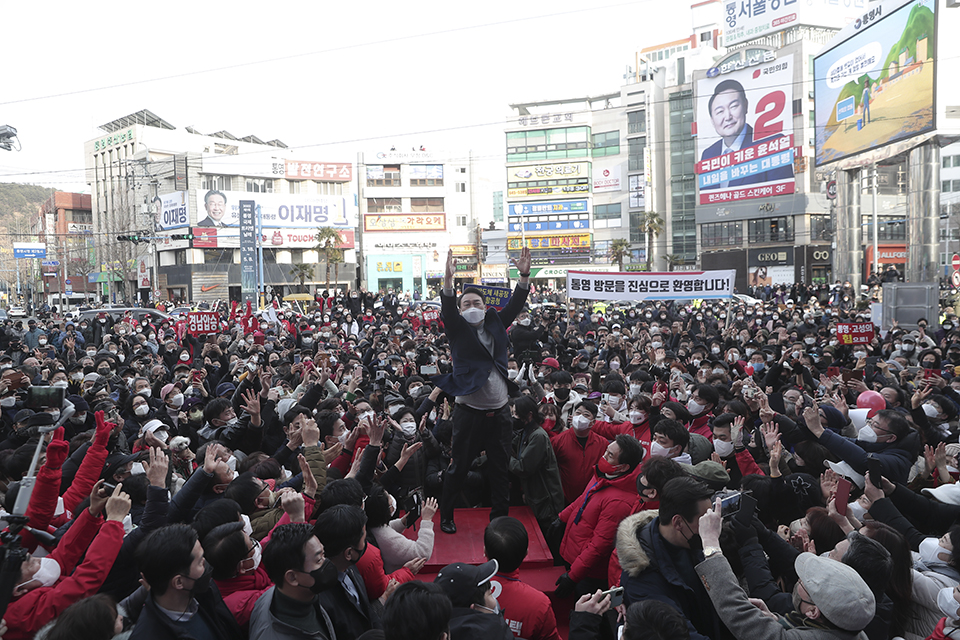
[30, 250]
[51, 263]
[846, 108]
[496, 297]
[542, 208]
[557, 225]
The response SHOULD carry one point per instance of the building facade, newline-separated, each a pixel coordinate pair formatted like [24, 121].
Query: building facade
[64, 223]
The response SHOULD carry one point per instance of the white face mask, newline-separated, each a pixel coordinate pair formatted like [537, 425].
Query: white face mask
[415, 391]
[473, 315]
[947, 603]
[409, 427]
[580, 423]
[247, 527]
[867, 434]
[657, 449]
[722, 448]
[857, 510]
[142, 410]
[694, 407]
[363, 416]
[177, 401]
[184, 356]
[615, 365]
[10, 401]
[136, 469]
[750, 351]
[145, 392]
[859, 354]
[635, 389]
[512, 374]
[930, 410]
[637, 417]
[525, 322]
[930, 549]
[60, 384]
[47, 575]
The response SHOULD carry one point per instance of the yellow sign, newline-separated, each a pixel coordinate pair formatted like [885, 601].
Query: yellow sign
[390, 267]
[579, 241]
[550, 171]
[405, 222]
[464, 249]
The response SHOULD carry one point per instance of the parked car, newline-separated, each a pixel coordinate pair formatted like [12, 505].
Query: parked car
[17, 312]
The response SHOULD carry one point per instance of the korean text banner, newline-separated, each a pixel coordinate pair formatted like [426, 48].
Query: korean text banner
[876, 87]
[171, 211]
[855, 332]
[745, 136]
[277, 210]
[681, 285]
[496, 297]
[749, 19]
[405, 222]
[201, 322]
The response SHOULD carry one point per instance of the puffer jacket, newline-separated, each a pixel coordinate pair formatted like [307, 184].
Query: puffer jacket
[533, 460]
[649, 573]
[592, 521]
[264, 625]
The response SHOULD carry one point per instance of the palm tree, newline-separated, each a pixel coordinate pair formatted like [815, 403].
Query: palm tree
[301, 272]
[329, 245]
[619, 249]
[652, 225]
[672, 260]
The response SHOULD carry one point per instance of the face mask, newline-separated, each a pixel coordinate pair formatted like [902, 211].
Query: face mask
[856, 510]
[201, 584]
[715, 350]
[635, 389]
[55, 415]
[177, 401]
[859, 354]
[47, 575]
[750, 351]
[732, 357]
[656, 449]
[409, 427]
[184, 357]
[580, 423]
[60, 384]
[722, 448]
[561, 394]
[605, 468]
[78, 418]
[696, 362]
[42, 341]
[433, 416]
[615, 365]
[525, 322]
[415, 391]
[908, 347]
[867, 434]
[512, 374]
[694, 407]
[247, 527]
[810, 340]
[929, 550]
[637, 417]
[324, 577]
[930, 410]
[473, 315]
[656, 344]
[142, 410]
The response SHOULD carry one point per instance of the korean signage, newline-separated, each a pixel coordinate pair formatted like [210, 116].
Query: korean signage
[426, 172]
[29, 250]
[201, 322]
[114, 139]
[686, 285]
[578, 241]
[745, 133]
[405, 156]
[607, 179]
[542, 208]
[565, 190]
[214, 238]
[78, 227]
[171, 211]
[496, 297]
[321, 171]
[544, 120]
[277, 210]
[638, 187]
[876, 87]
[552, 226]
[750, 19]
[855, 332]
[553, 171]
[770, 267]
[405, 222]
[143, 275]
[464, 249]
[251, 165]
[248, 250]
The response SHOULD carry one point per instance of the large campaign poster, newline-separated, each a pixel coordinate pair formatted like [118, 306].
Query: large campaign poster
[171, 211]
[277, 210]
[745, 141]
[876, 87]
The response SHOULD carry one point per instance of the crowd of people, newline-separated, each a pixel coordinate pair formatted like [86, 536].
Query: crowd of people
[727, 470]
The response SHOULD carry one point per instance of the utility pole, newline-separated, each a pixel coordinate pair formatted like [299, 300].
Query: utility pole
[876, 225]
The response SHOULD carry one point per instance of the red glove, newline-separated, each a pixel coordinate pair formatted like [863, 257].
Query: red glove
[57, 450]
[103, 430]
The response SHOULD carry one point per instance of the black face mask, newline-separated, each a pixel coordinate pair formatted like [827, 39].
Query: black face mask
[562, 394]
[202, 584]
[324, 577]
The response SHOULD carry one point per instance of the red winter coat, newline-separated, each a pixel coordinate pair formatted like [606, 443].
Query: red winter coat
[701, 425]
[526, 610]
[588, 543]
[610, 430]
[576, 462]
[28, 613]
[241, 592]
[370, 567]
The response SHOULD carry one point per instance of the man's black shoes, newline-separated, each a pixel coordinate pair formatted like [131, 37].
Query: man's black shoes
[447, 526]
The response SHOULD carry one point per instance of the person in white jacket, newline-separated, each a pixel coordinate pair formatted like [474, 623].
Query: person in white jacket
[396, 549]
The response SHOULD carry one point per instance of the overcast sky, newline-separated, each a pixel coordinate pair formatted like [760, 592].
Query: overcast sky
[313, 74]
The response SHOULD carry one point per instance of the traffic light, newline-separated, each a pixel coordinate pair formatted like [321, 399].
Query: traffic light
[181, 236]
[135, 239]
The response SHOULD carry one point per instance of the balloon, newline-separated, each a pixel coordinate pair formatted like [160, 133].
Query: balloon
[748, 369]
[871, 400]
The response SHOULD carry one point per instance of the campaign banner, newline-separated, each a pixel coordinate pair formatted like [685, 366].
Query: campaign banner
[680, 285]
[248, 251]
[276, 210]
[201, 322]
[855, 332]
[542, 208]
[171, 211]
[745, 20]
[496, 297]
[745, 130]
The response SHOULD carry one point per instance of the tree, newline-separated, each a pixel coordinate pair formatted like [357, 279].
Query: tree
[672, 260]
[652, 225]
[329, 245]
[301, 272]
[619, 249]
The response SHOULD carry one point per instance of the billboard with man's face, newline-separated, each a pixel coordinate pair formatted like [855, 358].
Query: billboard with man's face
[745, 143]
[876, 87]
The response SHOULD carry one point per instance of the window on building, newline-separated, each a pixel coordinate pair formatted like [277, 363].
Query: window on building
[82, 217]
[180, 256]
[567, 142]
[329, 188]
[259, 185]
[891, 228]
[383, 175]
[461, 220]
[294, 186]
[721, 234]
[683, 191]
[601, 251]
[607, 216]
[771, 230]
[606, 144]
[384, 205]
[461, 187]
[218, 183]
[635, 148]
[636, 122]
[426, 205]
[426, 175]
[461, 169]
[706, 36]
[950, 186]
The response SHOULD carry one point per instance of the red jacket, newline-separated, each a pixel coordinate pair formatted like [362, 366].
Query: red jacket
[28, 613]
[589, 540]
[610, 430]
[370, 567]
[241, 592]
[576, 462]
[701, 425]
[527, 611]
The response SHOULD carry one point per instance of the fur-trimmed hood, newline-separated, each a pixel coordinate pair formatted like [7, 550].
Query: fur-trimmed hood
[633, 559]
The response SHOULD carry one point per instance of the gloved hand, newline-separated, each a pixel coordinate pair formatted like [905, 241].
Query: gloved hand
[556, 529]
[565, 586]
[57, 450]
[103, 430]
[745, 534]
